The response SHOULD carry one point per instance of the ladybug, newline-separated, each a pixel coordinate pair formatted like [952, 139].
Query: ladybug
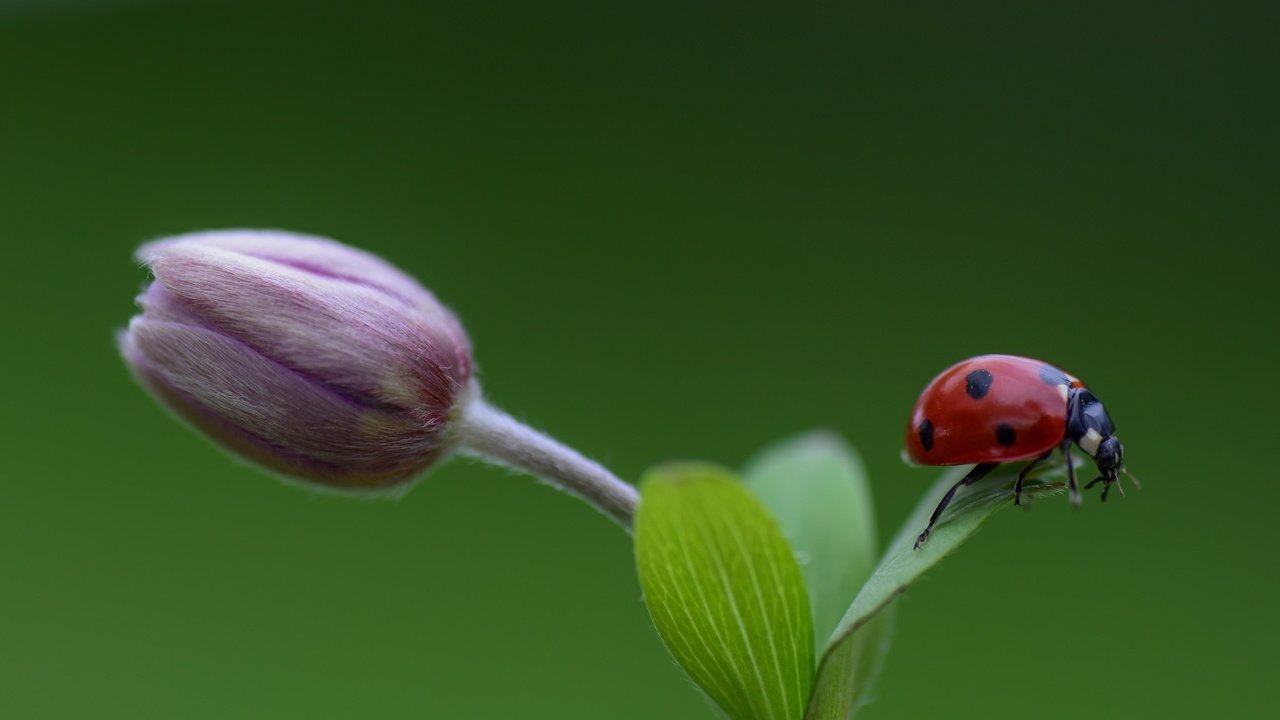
[995, 409]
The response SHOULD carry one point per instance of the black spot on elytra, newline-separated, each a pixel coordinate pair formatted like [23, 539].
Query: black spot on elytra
[977, 383]
[1051, 375]
[926, 435]
[1005, 434]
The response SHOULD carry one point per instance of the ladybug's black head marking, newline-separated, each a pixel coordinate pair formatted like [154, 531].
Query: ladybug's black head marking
[977, 383]
[1089, 425]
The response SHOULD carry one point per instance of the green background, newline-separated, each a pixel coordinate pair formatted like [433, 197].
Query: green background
[674, 230]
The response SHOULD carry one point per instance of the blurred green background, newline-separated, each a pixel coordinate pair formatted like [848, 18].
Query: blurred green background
[674, 229]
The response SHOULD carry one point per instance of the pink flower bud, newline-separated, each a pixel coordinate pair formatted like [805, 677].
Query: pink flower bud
[309, 357]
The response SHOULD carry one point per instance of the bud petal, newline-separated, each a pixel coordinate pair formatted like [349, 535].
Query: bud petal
[312, 358]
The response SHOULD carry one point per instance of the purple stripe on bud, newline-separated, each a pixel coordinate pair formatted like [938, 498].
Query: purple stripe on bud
[307, 356]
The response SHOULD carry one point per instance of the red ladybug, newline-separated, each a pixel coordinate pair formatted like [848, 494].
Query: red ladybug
[995, 409]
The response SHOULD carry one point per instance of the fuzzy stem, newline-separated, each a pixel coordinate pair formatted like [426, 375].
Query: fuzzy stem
[486, 432]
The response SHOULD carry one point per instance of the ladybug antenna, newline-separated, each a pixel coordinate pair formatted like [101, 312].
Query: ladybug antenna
[1136, 484]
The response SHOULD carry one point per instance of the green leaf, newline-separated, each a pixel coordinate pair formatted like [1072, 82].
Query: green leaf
[901, 566]
[849, 670]
[724, 591]
[816, 487]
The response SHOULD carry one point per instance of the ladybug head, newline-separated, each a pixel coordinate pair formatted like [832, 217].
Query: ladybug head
[1110, 457]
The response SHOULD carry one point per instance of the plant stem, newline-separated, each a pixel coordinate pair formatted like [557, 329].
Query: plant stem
[485, 432]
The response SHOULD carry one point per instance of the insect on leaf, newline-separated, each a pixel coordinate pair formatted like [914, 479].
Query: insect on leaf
[853, 649]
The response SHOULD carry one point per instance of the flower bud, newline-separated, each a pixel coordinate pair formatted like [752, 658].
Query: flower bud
[314, 359]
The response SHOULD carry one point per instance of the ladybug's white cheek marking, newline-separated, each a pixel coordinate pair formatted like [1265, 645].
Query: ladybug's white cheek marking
[1089, 443]
[1071, 377]
[1064, 391]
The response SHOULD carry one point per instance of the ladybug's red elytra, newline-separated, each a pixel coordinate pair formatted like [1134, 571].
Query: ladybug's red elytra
[995, 409]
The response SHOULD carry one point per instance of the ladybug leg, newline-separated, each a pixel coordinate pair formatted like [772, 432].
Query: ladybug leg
[977, 473]
[1017, 487]
[1071, 475]
[1106, 486]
